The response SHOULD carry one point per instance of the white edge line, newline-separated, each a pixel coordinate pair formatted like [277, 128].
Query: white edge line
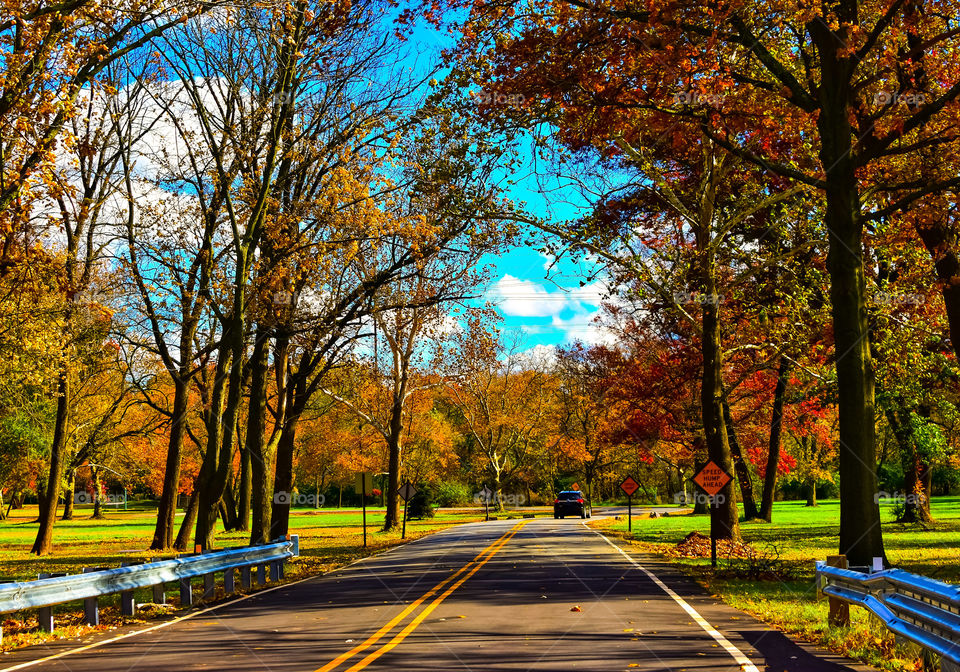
[745, 663]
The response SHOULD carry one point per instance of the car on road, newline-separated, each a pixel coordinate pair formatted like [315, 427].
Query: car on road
[571, 503]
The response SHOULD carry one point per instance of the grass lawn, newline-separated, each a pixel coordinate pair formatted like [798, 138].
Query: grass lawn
[785, 597]
[329, 538]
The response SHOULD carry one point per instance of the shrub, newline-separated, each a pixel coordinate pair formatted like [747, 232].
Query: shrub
[451, 493]
[421, 504]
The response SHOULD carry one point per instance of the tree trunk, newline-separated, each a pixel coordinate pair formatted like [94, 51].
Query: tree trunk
[97, 495]
[394, 447]
[916, 503]
[228, 503]
[743, 471]
[51, 496]
[773, 449]
[213, 477]
[497, 492]
[41, 497]
[681, 484]
[244, 492]
[256, 442]
[811, 491]
[68, 495]
[861, 537]
[283, 473]
[700, 505]
[724, 514]
[167, 510]
[182, 541]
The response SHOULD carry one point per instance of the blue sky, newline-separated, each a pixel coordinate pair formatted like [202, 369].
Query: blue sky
[544, 308]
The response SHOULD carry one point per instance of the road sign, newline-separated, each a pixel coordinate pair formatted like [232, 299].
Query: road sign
[629, 486]
[485, 495]
[363, 483]
[712, 478]
[575, 486]
[407, 491]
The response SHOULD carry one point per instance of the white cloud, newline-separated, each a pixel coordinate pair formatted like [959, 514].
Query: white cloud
[525, 298]
[572, 311]
[583, 326]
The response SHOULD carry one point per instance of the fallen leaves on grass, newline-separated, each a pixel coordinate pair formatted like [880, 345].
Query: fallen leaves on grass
[696, 545]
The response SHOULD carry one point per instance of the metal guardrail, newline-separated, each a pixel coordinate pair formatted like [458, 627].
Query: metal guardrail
[922, 610]
[46, 592]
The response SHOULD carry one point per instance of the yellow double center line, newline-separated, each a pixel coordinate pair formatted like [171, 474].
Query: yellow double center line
[463, 573]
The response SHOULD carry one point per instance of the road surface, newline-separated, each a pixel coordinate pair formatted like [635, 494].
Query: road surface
[537, 594]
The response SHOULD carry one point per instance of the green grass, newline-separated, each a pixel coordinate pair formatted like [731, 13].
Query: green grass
[798, 536]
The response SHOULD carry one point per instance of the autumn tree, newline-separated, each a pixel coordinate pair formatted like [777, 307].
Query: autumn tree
[503, 397]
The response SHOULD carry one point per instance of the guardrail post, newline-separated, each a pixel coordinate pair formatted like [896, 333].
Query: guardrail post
[186, 593]
[275, 570]
[45, 614]
[261, 575]
[45, 618]
[159, 590]
[128, 605]
[245, 579]
[229, 577]
[209, 584]
[91, 610]
[839, 610]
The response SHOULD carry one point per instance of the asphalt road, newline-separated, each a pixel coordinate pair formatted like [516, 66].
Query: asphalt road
[537, 594]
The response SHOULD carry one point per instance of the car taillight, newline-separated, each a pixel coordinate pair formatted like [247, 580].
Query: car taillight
[579, 501]
[556, 501]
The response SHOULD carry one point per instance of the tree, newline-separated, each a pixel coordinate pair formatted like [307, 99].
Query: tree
[835, 97]
[586, 416]
[503, 398]
[52, 53]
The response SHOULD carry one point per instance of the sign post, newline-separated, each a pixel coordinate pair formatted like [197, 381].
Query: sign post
[364, 486]
[407, 491]
[712, 478]
[629, 486]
